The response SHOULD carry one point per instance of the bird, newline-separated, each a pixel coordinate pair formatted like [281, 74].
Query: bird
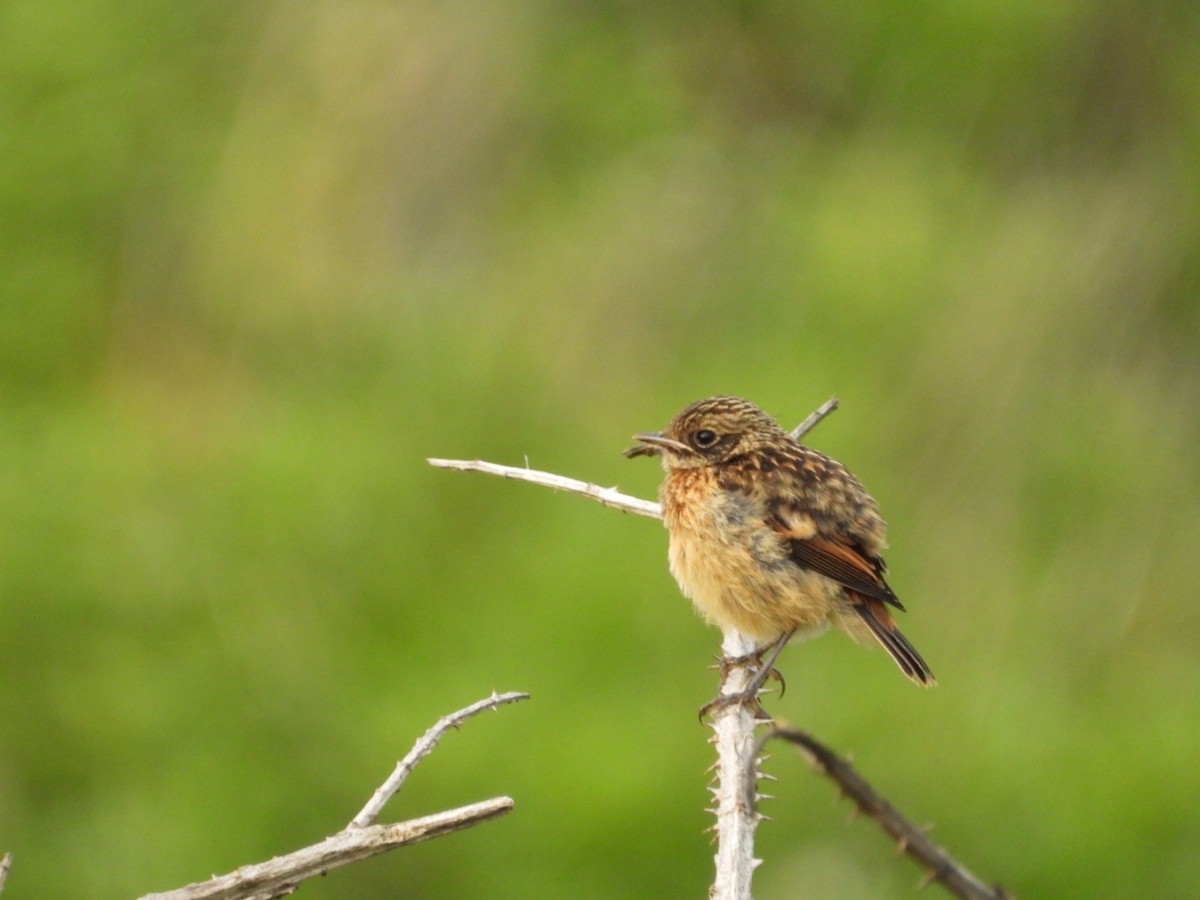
[771, 537]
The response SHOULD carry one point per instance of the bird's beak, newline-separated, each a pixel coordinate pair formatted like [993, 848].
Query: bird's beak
[653, 443]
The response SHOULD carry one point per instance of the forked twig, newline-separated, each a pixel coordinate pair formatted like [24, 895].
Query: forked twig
[281, 875]
[422, 748]
[361, 838]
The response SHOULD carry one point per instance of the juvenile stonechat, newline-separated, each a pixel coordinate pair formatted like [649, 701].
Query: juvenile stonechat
[771, 537]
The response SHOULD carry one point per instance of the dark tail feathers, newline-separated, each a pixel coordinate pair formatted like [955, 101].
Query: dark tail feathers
[879, 620]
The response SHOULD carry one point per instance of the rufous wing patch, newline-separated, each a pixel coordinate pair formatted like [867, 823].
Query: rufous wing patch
[844, 564]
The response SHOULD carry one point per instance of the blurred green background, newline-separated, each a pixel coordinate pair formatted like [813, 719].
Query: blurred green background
[260, 260]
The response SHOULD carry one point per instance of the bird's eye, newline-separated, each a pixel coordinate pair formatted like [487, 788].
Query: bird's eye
[704, 438]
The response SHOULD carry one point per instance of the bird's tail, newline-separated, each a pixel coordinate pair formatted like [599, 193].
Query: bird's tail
[883, 628]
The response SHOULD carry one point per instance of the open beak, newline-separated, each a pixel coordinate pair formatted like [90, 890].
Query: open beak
[652, 444]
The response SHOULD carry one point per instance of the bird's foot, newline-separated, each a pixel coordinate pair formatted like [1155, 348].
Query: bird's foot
[727, 664]
[762, 669]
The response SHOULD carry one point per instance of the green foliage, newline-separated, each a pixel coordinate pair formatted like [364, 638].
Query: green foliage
[260, 262]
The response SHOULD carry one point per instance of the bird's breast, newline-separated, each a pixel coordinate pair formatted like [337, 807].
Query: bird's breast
[729, 561]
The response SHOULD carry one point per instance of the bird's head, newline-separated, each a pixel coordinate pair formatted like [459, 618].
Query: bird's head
[709, 432]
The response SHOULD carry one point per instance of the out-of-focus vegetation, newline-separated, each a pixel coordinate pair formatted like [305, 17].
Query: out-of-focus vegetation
[259, 260]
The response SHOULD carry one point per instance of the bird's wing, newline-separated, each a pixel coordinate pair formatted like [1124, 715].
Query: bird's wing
[837, 557]
[846, 565]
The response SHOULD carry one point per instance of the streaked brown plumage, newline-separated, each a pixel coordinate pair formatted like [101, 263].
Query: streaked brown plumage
[771, 537]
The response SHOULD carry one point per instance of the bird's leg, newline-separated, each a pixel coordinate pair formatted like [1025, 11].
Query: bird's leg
[765, 656]
[766, 668]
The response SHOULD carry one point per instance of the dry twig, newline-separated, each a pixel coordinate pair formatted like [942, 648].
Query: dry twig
[361, 838]
[422, 748]
[814, 418]
[607, 496]
[281, 876]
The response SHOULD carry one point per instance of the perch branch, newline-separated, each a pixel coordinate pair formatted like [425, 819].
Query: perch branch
[5, 865]
[361, 838]
[911, 840]
[733, 734]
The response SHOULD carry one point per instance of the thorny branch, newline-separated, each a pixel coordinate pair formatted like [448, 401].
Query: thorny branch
[733, 735]
[911, 839]
[737, 786]
[360, 839]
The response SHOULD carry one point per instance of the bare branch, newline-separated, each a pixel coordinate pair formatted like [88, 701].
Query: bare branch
[913, 841]
[608, 496]
[361, 838]
[814, 418]
[5, 865]
[422, 748]
[281, 875]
